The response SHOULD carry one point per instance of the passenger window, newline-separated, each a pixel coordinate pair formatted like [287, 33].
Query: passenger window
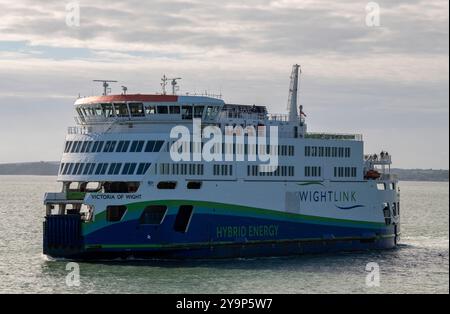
[143, 168]
[167, 185]
[194, 185]
[381, 186]
[129, 169]
[149, 146]
[136, 146]
[115, 213]
[158, 146]
[153, 215]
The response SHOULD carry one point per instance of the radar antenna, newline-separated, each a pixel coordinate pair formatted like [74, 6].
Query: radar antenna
[124, 90]
[174, 84]
[106, 89]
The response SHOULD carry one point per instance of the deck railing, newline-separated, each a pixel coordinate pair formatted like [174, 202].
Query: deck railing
[334, 136]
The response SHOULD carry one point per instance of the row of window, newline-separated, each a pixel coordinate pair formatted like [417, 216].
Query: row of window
[194, 169]
[316, 151]
[182, 169]
[223, 170]
[268, 171]
[104, 168]
[345, 172]
[236, 149]
[113, 146]
[313, 171]
[122, 110]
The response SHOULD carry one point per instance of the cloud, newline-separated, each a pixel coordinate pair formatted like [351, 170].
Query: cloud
[243, 49]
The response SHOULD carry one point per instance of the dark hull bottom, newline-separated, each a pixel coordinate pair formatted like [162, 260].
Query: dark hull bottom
[224, 251]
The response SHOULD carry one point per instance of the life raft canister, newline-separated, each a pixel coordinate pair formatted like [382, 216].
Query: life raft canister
[372, 174]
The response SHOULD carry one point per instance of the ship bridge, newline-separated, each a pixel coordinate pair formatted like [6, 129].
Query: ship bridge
[105, 109]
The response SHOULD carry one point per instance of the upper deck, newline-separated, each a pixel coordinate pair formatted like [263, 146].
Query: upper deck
[101, 113]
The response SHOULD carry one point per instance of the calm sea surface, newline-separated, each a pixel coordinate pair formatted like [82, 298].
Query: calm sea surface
[420, 265]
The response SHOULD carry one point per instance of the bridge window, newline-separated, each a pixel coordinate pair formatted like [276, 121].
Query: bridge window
[137, 109]
[107, 110]
[175, 109]
[186, 112]
[212, 112]
[121, 110]
[153, 215]
[115, 213]
[198, 111]
[150, 110]
[163, 110]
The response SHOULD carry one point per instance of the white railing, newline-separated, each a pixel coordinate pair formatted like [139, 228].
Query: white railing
[230, 114]
[334, 136]
[381, 159]
[79, 130]
[278, 117]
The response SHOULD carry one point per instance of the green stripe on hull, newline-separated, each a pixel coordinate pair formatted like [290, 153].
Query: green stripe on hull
[201, 207]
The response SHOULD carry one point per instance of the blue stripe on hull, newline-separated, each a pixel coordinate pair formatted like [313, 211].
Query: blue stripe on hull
[219, 236]
[238, 250]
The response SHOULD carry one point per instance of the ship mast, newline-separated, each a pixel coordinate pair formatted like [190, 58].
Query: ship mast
[293, 93]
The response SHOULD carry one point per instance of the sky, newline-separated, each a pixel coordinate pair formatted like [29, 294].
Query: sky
[383, 75]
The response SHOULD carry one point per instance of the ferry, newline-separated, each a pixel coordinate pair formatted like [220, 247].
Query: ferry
[170, 176]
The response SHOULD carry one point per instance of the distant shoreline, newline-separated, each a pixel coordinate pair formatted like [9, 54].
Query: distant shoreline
[50, 168]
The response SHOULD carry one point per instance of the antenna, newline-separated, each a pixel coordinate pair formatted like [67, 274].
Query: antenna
[124, 90]
[106, 88]
[174, 84]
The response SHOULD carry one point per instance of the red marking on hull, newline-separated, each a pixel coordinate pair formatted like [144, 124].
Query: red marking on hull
[122, 98]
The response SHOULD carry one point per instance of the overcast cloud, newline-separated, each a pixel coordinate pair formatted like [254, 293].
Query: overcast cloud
[388, 82]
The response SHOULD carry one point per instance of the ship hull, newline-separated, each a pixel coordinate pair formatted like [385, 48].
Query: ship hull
[211, 234]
